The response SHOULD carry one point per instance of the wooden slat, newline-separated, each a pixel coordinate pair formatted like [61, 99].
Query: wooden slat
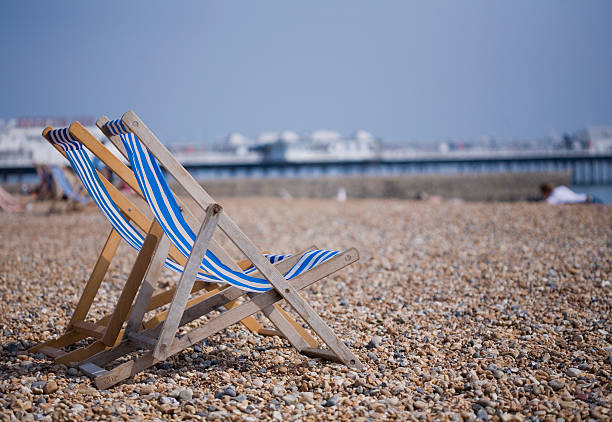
[107, 157]
[82, 353]
[314, 352]
[142, 340]
[181, 296]
[148, 285]
[125, 371]
[228, 294]
[159, 318]
[297, 327]
[52, 352]
[107, 356]
[89, 328]
[289, 293]
[284, 327]
[122, 308]
[92, 370]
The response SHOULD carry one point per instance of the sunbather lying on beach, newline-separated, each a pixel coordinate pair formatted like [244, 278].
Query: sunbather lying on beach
[564, 195]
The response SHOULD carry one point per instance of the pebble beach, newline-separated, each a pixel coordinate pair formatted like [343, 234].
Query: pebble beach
[459, 311]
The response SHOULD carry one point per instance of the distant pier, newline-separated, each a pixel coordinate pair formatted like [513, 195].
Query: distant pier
[586, 167]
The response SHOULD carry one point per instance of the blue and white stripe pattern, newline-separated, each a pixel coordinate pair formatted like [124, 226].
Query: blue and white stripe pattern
[86, 172]
[163, 203]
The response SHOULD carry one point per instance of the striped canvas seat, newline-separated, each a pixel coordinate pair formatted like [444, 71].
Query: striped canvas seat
[163, 203]
[83, 167]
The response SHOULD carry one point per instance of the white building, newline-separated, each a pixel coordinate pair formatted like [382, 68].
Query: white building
[22, 143]
[320, 145]
[600, 138]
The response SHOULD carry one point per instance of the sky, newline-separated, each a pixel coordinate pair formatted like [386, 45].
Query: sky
[195, 71]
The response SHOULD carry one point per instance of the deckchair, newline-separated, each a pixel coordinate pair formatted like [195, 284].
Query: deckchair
[80, 133]
[264, 288]
[71, 192]
[107, 330]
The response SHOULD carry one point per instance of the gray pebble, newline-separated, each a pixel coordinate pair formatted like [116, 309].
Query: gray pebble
[290, 399]
[556, 384]
[332, 401]
[374, 342]
[185, 395]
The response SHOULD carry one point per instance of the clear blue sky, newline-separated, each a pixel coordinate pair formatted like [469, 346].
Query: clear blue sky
[404, 70]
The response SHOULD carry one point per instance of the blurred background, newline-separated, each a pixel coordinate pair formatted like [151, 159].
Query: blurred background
[474, 100]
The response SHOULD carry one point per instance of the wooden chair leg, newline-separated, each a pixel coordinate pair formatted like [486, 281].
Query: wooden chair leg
[97, 275]
[87, 297]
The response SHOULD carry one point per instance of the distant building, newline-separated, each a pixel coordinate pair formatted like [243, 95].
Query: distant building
[320, 145]
[22, 144]
[600, 138]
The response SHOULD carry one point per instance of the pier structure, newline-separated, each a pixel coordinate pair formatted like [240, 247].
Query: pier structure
[586, 168]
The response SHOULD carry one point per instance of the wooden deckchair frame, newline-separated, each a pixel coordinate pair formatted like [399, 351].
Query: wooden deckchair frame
[107, 330]
[161, 341]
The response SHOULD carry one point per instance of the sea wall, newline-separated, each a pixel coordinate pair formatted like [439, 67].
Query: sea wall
[469, 187]
[476, 187]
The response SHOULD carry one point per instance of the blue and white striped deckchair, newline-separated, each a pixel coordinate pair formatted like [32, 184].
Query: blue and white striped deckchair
[264, 291]
[163, 203]
[83, 167]
[108, 328]
[69, 191]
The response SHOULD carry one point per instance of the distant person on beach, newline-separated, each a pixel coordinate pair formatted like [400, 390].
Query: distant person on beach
[564, 195]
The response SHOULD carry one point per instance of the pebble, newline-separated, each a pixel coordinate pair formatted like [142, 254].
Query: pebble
[77, 408]
[556, 384]
[482, 414]
[185, 395]
[307, 397]
[374, 342]
[11, 347]
[50, 387]
[332, 401]
[290, 399]
[73, 372]
[450, 306]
